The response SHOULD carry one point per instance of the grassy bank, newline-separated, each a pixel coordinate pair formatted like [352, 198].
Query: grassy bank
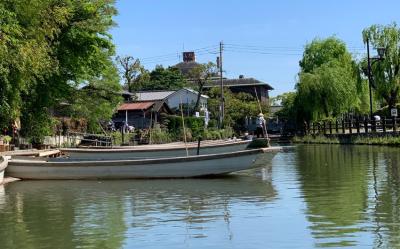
[385, 140]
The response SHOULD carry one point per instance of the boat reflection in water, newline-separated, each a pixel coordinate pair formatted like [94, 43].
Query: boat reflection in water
[109, 214]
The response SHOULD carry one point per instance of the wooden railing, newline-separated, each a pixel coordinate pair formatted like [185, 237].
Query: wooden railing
[354, 126]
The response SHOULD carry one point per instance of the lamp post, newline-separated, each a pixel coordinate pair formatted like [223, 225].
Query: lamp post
[381, 54]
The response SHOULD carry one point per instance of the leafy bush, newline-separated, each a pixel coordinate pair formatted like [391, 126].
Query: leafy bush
[214, 134]
[160, 136]
[195, 126]
[117, 137]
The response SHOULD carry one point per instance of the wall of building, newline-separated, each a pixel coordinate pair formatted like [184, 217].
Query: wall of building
[187, 98]
[138, 119]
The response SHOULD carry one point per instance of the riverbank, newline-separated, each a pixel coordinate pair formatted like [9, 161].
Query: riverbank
[387, 140]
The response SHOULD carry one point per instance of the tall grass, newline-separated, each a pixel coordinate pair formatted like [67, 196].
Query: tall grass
[386, 140]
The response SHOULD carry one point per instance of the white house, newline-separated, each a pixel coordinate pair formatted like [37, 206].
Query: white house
[173, 99]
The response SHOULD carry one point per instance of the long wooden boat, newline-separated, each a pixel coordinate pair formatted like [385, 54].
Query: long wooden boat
[3, 166]
[176, 167]
[155, 151]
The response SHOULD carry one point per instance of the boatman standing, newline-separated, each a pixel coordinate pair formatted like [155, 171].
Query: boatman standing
[260, 122]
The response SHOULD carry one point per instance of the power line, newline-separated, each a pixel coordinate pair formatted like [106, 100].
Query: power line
[210, 49]
[277, 48]
[240, 48]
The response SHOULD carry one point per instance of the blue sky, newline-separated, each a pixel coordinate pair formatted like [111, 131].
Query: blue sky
[264, 39]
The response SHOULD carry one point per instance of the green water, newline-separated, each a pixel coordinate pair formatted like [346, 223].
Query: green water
[307, 197]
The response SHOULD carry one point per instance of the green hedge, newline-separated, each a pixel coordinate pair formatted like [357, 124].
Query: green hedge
[194, 124]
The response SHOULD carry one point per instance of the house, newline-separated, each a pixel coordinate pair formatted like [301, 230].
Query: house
[173, 99]
[258, 89]
[141, 114]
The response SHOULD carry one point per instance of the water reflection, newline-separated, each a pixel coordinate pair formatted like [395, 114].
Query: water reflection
[384, 201]
[312, 196]
[351, 192]
[112, 214]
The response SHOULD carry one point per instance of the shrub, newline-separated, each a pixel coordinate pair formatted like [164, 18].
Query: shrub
[117, 137]
[160, 136]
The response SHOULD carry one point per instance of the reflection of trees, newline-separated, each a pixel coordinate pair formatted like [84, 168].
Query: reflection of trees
[197, 198]
[32, 218]
[386, 198]
[60, 215]
[69, 214]
[345, 186]
[334, 184]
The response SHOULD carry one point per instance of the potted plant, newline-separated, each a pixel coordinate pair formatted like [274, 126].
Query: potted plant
[7, 139]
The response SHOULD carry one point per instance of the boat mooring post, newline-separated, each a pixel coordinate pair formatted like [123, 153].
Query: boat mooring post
[198, 145]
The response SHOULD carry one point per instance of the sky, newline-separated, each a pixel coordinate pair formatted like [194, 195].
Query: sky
[262, 39]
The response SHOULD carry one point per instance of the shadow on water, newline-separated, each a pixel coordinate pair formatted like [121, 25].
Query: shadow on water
[103, 214]
[352, 194]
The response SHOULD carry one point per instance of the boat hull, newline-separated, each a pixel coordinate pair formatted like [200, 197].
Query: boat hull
[3, 166]
[161, 151]
[178, 167]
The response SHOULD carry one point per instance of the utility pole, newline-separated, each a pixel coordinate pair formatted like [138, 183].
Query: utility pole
[369, 80]
[221, 81]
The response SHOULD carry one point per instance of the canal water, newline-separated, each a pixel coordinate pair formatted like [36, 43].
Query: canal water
[319, 196]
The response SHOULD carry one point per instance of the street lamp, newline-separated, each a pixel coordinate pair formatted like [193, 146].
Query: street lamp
[381, 55]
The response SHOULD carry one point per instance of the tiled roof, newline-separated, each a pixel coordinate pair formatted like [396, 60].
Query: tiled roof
[186, 67]
[239, 82]
[135, 106]
[152, 96]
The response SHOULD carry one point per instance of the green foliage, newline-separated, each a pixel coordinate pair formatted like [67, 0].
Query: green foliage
[199, 76]
[6, 139]
[366, 140]
[310, 139]
[386, 73]
[48, 48]
[117, 137]
[258, 143]
[319, 51]
[288, 102]
[161, 136]
[97, 101]
[387, 140]
[327, 82]
[194, 125]
[133, 73]
[237, 107]
[164, 79]
[212, 134]
[215, 134]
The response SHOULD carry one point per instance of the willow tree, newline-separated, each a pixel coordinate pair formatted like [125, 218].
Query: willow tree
[386, 73]
[327, 85]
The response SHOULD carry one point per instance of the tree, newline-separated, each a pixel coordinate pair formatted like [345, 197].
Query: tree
[288, 103]
[386, 73]
[131, 71]
[48, 48]
[165, 79]
[327, 84]
[200, 75]
[98, 100]
[321, 51]
[237, 107]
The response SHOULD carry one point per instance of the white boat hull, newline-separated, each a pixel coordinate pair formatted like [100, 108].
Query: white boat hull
[161, 151]
[178, 167]
[3, 166]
